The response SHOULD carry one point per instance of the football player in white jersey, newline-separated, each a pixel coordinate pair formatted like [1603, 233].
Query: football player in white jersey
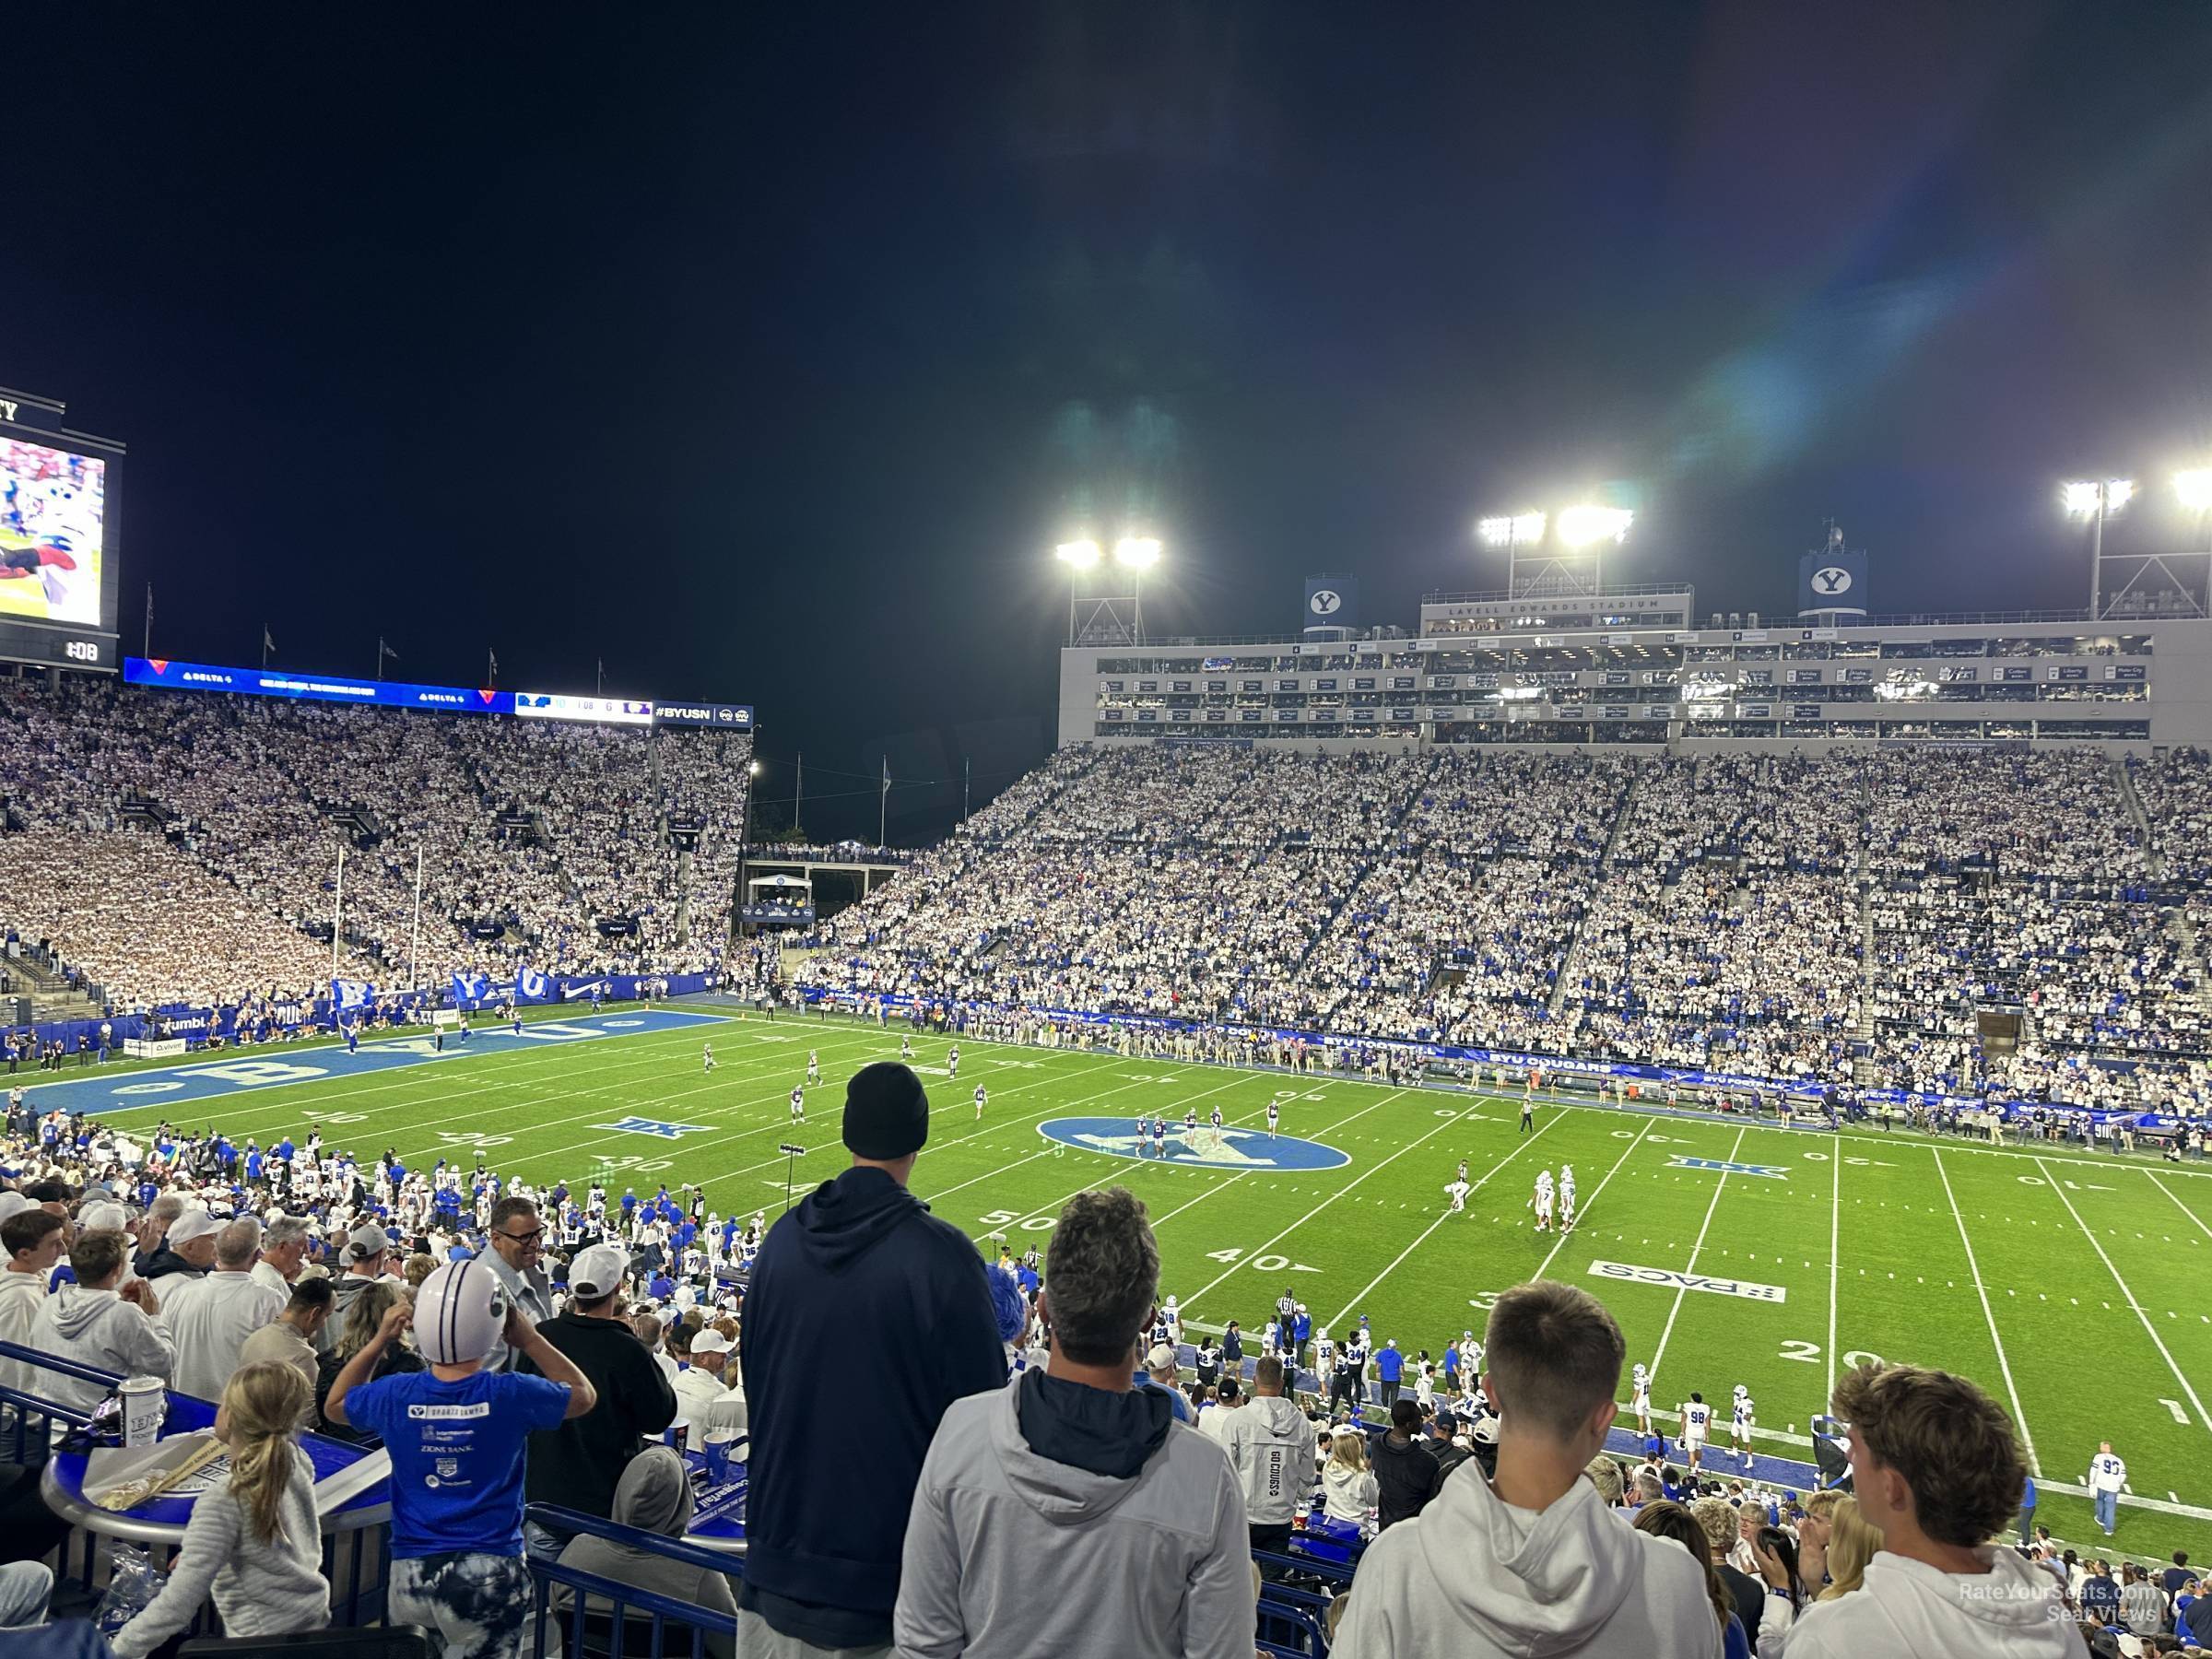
[707, 1058]
[798, 1105]
[1640, 1398]
[1697, 1427]
[813, 1066]
[1541, 1203]
[1565, 1196]
[1457, 1191]
[906, 1046]
[952, 1061]
[1275, 1116]
[1739, 1428]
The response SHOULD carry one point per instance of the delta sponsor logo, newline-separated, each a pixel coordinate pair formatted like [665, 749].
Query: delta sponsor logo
[1772, 1171]
[1666, 1278]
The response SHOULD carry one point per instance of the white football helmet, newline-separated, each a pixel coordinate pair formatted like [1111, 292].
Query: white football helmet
[459, 1313]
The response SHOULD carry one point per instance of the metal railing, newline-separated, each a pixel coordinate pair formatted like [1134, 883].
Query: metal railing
[604, 1617]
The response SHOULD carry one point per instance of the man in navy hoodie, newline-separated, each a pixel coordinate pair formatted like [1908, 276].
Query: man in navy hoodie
[859, 1280]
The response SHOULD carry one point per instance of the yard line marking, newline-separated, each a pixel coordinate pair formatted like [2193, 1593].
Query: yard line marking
[1595, 1191]
[1835, 1220]
[1442, 1125]
[2020, 1417]
[2202, 1416]
[2178, 1204]
[1048, 1150]
[1693, 1266]
[1525, 1142]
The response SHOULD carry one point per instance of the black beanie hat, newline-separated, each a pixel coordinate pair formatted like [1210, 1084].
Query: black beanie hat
[887, 1115]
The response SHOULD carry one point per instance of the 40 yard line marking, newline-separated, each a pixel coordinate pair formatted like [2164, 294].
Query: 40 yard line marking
[2020, 1417]
[1692, 1267]
[2203, 1417]
[1526, 1143]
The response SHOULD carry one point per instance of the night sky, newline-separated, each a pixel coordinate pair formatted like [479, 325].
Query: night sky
[763, 352]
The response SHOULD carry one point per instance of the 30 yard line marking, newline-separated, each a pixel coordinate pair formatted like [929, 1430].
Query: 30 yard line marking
[1526, 1142]
[1595, 1191]
[1693, 1265]
[2203, 1417]
[2020, 1417]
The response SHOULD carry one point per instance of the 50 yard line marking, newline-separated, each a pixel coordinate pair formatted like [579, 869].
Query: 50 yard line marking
[2203, 1417]
[2020, 1417]
[1684, 1290]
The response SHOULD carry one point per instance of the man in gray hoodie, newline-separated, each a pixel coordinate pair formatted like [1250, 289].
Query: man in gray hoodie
[1068, 1514]
[89, 1323]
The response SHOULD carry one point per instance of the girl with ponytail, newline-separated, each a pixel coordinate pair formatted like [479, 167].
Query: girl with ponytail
[253, 1539]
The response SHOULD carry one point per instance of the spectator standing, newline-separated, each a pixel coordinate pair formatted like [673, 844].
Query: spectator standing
[210, 1318]
[1935, 1469]
[2142, 1602]
[516, 1238]
[253, 1540]
[578, 1464]
[363, 1320]
[367, 1262]
[860, 1272]
[1443, 1444]
[2173, 1578]
[1534, 1563]
[1215, 1414]
[289, 1339]
[1407, 1475]
[93, 1324]
[1160, 1371]
[1271, 1444]
[1076, 1477]
[2027, 1513]
[1667, 1518]
[189, 1248]
[455, 1434]
[1390, 1371]
[285, 1248]
[1348, 1485]
[33, 1240]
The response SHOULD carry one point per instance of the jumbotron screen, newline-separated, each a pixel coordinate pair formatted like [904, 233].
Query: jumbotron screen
[54, 516]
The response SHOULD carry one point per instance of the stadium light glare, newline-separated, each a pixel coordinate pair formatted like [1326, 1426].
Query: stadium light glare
[2118, 492]
[2084, 498]
[1583, 526]
[2194, 488]
[1136, 552]
[753, 770]
[1083, 553]
[1518, 530]
[2079, 497]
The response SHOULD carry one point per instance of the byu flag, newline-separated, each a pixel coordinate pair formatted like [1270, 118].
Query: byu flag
[346, 994]
[531, 985]
[470, 988]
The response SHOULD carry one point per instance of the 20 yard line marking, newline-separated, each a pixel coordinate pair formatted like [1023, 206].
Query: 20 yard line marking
[2020, 1417]
[2202, 1416]
[1698, 1245]
[1524, 1145]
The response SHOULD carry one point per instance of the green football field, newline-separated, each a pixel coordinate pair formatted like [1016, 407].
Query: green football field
[2069, 1285]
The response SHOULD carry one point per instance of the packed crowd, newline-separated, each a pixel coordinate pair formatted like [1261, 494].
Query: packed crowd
[1784, 915]
[527, 837]
[1029, 1423]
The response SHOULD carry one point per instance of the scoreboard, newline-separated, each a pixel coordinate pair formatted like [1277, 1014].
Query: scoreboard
[58, 519]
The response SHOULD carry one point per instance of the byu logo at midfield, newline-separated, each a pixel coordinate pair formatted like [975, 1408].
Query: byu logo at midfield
[1231, 1149]
[1324, 601]
[1831, 580]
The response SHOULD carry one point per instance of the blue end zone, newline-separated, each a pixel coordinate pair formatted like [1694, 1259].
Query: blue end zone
[164, 1089]
[1240, 1149]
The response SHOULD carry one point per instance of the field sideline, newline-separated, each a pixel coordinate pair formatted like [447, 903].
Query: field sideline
[1768, 1258]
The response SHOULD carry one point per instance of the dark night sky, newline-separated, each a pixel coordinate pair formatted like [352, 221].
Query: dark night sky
[758, 350]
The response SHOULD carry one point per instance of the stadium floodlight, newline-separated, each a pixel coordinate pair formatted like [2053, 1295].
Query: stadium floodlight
[1136, 552]
[1584, 527]
[2194, 488]
[1518, 530]
[753, 770]
[2084, 498]
[1082, 553]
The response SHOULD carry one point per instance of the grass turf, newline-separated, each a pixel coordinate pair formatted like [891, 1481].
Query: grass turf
[2066, 1283]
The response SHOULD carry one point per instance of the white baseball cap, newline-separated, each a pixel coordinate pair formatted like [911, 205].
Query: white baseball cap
[193, 1224]
[459, 1312]
[103, 1215]
[13, 1204]
[710, 1341]
[599, 1271]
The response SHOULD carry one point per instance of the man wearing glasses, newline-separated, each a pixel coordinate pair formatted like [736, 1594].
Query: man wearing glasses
[516, 1241]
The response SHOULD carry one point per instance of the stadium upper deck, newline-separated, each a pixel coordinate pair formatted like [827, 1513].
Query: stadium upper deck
[1633, 669]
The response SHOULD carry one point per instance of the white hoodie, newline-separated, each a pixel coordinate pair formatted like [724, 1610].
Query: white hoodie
[100, 1329]
[1907, 1607]
[1471, 1576]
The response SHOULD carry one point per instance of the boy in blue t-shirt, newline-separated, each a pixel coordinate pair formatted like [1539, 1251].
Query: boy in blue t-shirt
[456, 1434]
